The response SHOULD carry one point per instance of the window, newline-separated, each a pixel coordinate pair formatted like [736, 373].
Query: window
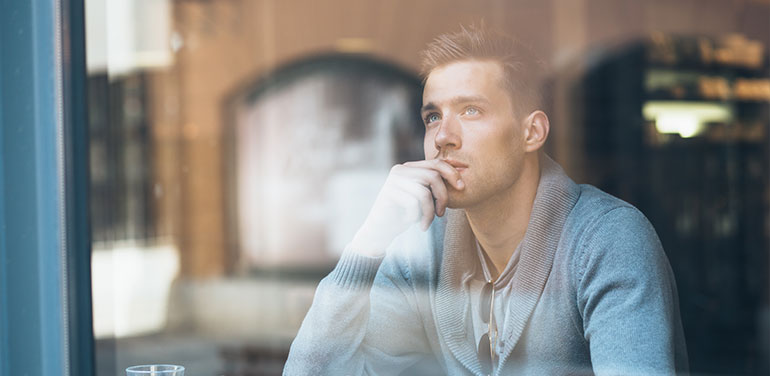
[189, 170]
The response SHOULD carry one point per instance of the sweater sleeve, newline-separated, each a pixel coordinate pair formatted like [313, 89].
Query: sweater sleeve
[362, 321]
[627, 297]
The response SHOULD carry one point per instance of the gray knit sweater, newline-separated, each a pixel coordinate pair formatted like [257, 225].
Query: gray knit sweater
[594, 294]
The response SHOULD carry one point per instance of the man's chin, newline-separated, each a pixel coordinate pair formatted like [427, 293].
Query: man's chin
[459, 201]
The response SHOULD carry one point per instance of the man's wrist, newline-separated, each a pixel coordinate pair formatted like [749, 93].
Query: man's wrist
[367, 246]
[369, 250]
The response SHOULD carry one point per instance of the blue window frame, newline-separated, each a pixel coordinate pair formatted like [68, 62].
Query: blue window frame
[45, 300]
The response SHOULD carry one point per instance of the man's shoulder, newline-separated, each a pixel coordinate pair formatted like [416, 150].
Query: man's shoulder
[611, 240]
[595, 204]
[598, 212]
[594, 201]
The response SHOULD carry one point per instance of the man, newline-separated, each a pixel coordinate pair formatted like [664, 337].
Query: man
[521, 270]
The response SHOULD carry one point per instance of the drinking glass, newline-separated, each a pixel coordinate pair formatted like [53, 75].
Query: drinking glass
[155, 370]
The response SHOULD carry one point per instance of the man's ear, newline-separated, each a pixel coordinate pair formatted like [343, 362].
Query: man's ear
[536, 127]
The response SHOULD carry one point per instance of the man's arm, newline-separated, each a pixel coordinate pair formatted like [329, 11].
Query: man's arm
[627, 298]
[362, 321]
[330, 339]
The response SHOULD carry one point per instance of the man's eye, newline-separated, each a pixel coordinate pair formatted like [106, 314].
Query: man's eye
[471, 111]
[431, 118]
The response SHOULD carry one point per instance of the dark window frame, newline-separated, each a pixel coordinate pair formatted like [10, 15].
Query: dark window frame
[45, 287]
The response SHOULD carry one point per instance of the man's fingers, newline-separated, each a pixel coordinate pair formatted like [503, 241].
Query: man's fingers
[407, 197]
[431, 178]
[424, 202]
[424, 185]
[440, 195]
[447, 172]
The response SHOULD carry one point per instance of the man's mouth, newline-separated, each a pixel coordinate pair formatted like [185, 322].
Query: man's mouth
[459, 166]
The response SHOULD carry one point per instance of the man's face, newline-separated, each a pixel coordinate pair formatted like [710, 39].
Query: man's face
[470, 123]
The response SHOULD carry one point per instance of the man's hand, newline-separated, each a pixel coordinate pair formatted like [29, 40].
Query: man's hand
[413, 192]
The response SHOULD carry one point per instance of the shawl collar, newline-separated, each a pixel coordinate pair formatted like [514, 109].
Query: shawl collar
[556, 196]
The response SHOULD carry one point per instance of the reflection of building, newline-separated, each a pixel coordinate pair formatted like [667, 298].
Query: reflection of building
[311, 146]
[218, 44]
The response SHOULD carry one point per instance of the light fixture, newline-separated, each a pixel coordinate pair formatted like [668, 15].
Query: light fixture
[688, 119]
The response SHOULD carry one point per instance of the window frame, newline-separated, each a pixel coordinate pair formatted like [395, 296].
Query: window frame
[45, 279]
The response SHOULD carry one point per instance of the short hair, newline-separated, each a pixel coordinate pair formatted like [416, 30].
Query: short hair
[523, 71]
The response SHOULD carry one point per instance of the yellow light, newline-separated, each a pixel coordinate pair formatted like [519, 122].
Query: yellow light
[685, 124]
[688, 119]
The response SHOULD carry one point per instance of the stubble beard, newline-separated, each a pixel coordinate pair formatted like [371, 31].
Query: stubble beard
[485, 191]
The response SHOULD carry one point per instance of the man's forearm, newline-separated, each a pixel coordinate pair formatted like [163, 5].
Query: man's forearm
[331, 335]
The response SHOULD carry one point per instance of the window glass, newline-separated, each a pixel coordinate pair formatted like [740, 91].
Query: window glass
[236, 146]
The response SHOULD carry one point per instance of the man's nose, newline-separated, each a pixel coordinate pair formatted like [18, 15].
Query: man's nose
[448, 134]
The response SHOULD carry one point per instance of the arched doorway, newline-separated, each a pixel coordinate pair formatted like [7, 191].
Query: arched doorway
[309, 147]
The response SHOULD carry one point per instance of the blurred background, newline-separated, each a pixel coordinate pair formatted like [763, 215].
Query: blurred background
[236, 145]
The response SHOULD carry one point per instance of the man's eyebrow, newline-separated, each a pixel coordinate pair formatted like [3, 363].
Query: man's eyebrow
[430, 106]
[456, 100]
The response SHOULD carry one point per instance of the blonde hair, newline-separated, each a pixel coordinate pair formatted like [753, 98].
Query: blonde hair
[523, 71]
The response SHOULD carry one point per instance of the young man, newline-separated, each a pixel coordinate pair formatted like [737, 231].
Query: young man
[521, 271]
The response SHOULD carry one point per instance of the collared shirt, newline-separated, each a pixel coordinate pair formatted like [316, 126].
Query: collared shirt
[475, 280]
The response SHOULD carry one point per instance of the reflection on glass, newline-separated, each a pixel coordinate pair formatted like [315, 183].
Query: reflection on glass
[219, 200]
[311, 153]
